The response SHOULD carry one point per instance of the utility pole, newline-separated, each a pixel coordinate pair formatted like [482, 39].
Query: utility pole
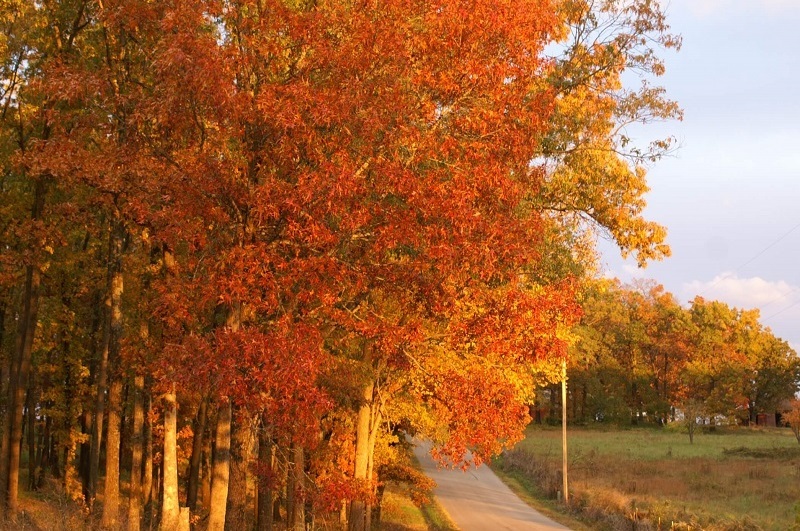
[564, 427]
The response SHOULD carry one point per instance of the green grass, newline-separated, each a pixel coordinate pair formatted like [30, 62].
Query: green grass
[729, 479]
[399, 513]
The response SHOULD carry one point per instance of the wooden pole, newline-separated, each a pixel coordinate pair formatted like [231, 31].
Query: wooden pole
[564, 427]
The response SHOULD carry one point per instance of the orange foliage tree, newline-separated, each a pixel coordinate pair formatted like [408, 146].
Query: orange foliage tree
[345, 218]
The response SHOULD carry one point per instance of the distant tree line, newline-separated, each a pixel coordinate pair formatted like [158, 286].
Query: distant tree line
[640, 356]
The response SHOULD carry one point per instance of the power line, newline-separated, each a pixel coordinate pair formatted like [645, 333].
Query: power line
[779, 297]
[751, 260]
[780, 312]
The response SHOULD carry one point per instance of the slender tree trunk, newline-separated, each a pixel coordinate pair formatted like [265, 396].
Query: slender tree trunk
[291, 486]
[112, 349]
[266, 457]
[46, 449]
[114, 285]
[298, 521]
[170, 508]
[85, 456]
[199, 428]
[137, 443]
[221, 471]
[86, 420]
[111, 498]
[375, 420]
[99, 417]
[147, 479]
[358, 519]
[31, 437]
[239, 513]
[205, 479]
[20, 371]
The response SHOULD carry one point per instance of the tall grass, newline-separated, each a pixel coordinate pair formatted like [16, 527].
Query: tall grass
[733, 479]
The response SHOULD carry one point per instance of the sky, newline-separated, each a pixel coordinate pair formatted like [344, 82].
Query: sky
[730, 195]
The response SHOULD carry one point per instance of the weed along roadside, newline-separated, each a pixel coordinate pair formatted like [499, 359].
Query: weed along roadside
[731, 479]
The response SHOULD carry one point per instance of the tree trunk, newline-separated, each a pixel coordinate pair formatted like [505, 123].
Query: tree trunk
[108, 357]
[367, 421]
[31, 437]
[199, 428]
[85, 456]
[205, 480]
[111, 500]
[298, 522]
[112, 356]
[170, 508]
[221, 472]
[19, 373]
[147, 479]
[86, 420]
[239, 514]
[46, 450]
[137, 443]
[266, 458]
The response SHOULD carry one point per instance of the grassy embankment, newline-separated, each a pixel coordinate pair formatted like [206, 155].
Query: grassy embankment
[398, 513]
[732, 479]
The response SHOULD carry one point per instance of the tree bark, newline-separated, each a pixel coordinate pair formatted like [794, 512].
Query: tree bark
[109, 355]
[221, 469]
[366, 422]
[199, 428]
[239, 514]
[19, 373]
[205, 480]
[298, 522]
[31, 437]
[111, 498]
[112, 355]
[137, 443]
[266, 458]
[170, 508]
[147, 473]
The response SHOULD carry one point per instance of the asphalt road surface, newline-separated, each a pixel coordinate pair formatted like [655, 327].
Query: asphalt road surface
[477, 500]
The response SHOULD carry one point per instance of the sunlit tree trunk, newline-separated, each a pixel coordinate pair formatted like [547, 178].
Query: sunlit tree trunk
[367, 422]
[147, 473]
[221, 469]
[170, 507]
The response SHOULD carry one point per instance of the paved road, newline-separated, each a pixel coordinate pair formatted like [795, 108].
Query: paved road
[477, 500]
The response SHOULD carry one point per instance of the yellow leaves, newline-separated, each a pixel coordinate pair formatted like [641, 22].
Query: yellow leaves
[593, 182]
[595, 172]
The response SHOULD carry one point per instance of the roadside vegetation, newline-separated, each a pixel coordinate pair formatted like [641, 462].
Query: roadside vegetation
[731, 478]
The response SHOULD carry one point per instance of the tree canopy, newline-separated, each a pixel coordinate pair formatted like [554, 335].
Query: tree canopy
[318, 225]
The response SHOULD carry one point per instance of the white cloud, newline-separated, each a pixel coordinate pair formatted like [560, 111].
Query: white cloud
[746, 293]
[778, 301]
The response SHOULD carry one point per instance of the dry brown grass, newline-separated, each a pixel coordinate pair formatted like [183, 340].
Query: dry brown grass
[637, 479]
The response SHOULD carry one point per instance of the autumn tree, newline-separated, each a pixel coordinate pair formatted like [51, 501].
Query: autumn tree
[330, 220]
[792, 418]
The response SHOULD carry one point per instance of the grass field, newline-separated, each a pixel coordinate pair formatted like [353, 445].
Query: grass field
[731, 479]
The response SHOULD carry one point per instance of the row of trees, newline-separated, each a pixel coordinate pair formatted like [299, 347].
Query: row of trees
[251, 242]
[640, 355]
